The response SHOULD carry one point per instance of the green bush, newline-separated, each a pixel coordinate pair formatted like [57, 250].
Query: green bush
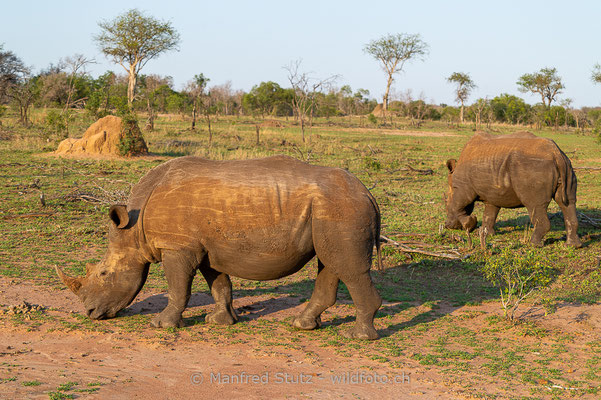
[518, 274]
[372, 119]
[56, 122]
[372, 163]
[131, 142]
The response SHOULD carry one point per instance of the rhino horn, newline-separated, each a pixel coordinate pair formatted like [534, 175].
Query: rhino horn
[72, 283]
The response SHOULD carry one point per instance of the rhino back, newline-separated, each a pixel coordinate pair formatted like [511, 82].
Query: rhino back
[257, 213]
[509, 170]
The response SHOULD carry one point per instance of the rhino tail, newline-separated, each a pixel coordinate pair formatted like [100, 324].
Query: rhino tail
[378, 242]
[567, 178]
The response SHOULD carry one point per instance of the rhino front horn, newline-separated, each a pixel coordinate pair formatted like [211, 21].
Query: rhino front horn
[72, 283]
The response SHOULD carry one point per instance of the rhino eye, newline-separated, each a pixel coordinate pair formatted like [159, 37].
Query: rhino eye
[103, 273]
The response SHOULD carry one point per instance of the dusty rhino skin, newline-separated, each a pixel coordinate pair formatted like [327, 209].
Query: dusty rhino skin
[510, 171]
[256, 219]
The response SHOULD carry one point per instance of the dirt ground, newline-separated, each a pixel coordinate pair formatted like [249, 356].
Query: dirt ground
[130, 366]
[143, 365]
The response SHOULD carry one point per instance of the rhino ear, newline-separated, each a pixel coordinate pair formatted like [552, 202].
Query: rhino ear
[451, 164]
[119, 216]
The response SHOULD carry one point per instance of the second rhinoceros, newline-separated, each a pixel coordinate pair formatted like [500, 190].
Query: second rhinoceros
[255, 219]
[510, 171]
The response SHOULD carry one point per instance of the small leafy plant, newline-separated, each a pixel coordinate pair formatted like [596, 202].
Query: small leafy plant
[517, 273]
[372, 119]
[131, 141]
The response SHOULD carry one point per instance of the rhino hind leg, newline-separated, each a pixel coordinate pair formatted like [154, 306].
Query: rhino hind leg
[324, 296]
[367, 301]
[541, 223]
[221, 290]
[570, 219]
[179, 271]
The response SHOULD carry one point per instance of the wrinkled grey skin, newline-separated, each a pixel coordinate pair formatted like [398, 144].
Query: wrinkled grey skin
[511, 171]
[255, 219]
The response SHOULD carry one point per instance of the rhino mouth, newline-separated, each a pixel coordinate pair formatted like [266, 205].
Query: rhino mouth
[98, 314]
[94, 313]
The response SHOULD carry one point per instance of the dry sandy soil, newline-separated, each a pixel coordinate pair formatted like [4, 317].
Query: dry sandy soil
[145, 365]
[132, 367]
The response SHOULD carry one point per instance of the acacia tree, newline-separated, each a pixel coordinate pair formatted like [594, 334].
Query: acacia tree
[132, 39]
[393, 51]
[196, 90]
[480, 109]
[465, 85]
[546, 83]
[23, 95]
[12, 69]
[305, 90]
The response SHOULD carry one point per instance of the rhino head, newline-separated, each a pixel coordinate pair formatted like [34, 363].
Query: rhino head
[457, 218]
[114, 282]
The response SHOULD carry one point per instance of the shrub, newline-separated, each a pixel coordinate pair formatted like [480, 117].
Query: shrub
[517, 274]
[56, 122]
[372, 119]
[131, 141]
[371, 163]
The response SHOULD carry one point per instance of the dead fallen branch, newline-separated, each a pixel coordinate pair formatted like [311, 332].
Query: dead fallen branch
[409, 168]
[588, 220]
[587, 168]
[420, 171]
[97, 196]
[447, 253]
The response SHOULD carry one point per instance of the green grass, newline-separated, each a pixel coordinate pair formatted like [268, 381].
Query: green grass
[466, 347]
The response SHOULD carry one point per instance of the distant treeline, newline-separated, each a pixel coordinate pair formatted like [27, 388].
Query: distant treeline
[57, 87]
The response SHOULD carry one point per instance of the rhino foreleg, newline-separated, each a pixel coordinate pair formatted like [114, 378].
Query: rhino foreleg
[179, 271]
[489, 217]
[221, 290]
[324, 296]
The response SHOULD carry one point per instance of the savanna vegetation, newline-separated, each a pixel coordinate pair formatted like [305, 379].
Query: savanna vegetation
[442, 314]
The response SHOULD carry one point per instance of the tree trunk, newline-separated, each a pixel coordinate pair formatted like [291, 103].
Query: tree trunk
[210, 132]
[461, 113]
[258, 131]
[194, 116]
[131, 86]
[150, 122]
[385, 99]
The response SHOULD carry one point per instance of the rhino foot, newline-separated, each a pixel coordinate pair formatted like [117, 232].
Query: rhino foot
[574, 243]
[536, 243]
[221, 317]
[167, 320]
[306, 323]
[361, 332]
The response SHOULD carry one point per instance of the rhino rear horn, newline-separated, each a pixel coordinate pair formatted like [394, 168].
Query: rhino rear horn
[451, 164]
[119, 216]
[72, 283]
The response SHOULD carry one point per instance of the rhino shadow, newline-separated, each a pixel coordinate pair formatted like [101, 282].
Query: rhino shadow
[589, 224]
[295, 291]
[443, 286]
[156, 303]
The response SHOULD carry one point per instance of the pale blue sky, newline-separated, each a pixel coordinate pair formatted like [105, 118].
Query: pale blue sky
[249, 42]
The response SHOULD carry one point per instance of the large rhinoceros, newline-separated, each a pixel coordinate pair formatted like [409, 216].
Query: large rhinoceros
[255, 219]
[510, 171]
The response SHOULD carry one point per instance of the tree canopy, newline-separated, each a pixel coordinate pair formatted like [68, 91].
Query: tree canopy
[545, 82]
[393, 51]
[132, 39]
[465, 85]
